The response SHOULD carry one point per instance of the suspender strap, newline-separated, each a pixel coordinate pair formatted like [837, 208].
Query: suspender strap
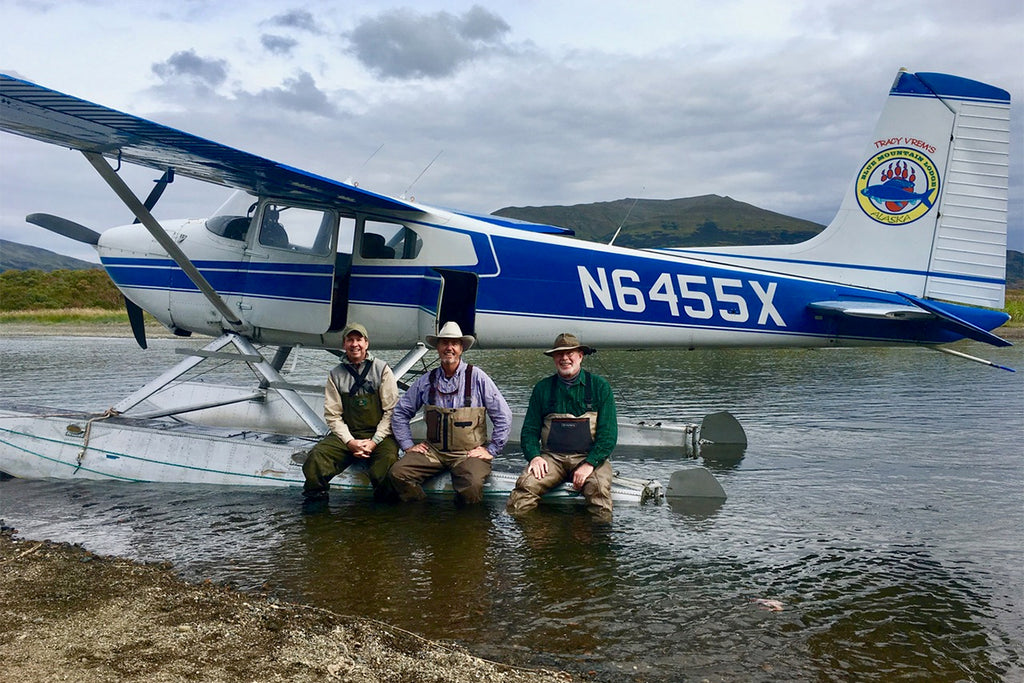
[359, 378]
[432, 393]
[467, 391]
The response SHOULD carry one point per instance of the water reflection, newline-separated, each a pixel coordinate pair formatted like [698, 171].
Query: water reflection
[698, 509]
[565, 574]
[722, 456]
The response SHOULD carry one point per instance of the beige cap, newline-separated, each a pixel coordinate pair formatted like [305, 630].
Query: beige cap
[354, 327]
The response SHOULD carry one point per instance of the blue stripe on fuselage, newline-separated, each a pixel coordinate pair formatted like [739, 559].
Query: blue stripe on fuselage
[311, 283]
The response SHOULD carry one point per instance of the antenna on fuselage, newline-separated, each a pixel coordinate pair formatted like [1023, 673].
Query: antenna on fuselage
[425, 169]
[625, 218]
[351, 180]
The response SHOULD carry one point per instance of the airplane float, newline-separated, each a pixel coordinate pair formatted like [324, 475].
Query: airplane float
[914, 256]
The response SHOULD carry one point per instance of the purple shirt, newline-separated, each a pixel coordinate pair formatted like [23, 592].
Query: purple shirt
[450, 394]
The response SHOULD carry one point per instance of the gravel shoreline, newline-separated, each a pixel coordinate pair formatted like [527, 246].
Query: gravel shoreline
[68, 614]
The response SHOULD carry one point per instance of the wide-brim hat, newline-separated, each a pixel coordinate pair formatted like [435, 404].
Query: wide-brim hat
[568, 342]
[451, 330]
[354, 327]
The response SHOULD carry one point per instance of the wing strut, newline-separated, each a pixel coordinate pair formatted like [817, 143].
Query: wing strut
[164, 240]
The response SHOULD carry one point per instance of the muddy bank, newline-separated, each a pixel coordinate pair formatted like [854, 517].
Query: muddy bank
[67, 614]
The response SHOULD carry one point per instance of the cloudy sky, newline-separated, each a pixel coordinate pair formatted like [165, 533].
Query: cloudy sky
[523, 102]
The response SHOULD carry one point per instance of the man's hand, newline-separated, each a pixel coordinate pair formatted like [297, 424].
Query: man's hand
[421, 447]
[538, 467]
[580, 474]
[480, 452]
[361, 448]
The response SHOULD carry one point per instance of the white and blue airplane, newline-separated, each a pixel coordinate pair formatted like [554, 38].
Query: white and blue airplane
[915, 255]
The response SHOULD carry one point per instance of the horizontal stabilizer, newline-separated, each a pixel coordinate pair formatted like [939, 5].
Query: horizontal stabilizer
[956, 324]
[870, 309]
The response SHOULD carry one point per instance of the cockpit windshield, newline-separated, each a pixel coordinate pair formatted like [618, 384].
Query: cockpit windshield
[233, 218]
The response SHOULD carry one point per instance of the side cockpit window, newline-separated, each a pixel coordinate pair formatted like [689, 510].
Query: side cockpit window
[297, 228]
[389, 241]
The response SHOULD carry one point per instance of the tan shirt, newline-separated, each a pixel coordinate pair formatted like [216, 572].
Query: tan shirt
[340, 381]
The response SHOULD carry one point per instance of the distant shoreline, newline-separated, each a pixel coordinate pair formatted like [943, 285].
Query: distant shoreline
[76, 329]
[1013, 332]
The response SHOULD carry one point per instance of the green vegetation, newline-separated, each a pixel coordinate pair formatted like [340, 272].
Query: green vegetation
[1015, 307]
[23, 290]
[58, 316]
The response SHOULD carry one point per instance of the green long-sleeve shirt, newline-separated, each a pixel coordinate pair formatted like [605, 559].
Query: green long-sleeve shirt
[570, 399]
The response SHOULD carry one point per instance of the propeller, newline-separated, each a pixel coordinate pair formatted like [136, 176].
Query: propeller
[62, 226]
[80, 233]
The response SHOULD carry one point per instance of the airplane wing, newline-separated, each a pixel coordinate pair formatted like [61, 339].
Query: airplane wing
[36, 112]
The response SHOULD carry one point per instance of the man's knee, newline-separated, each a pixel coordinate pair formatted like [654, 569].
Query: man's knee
[597, 490]
[521, 500]
[468, 479]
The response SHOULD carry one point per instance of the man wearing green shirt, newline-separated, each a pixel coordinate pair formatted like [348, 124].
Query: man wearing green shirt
[568, 433]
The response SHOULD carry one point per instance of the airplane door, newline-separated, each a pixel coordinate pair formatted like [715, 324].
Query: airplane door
[290, 278]
[457, 299]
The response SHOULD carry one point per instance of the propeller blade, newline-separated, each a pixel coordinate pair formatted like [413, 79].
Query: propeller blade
[62, 226]
[136, 321]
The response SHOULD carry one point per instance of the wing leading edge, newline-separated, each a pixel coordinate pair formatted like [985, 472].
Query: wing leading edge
[36, 112]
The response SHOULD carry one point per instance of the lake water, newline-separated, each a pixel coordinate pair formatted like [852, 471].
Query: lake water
[880, 501]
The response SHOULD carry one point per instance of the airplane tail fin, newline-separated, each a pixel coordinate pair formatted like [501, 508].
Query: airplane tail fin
[926, 213]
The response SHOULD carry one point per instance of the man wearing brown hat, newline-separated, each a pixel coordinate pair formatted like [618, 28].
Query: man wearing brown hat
[359, 399]
[569, 431]
[457, 398]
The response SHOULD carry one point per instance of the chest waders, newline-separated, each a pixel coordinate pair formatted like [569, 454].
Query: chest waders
[567, 433]
[363, 412]
[455, 430]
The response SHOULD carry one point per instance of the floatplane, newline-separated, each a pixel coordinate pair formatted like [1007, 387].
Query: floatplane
[914, 256]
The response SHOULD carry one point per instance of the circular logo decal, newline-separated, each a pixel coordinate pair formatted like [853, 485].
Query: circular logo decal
[897, 186]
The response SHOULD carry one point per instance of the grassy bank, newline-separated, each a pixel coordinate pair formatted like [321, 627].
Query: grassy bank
[1015, 307]
[66, 316]
[75, 322]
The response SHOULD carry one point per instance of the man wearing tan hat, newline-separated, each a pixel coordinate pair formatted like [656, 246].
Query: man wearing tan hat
[359, 399]
[457, 398]
[568, 433]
